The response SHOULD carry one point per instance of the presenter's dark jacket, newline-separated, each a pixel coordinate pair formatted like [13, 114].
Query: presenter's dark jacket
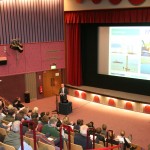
[64, 97]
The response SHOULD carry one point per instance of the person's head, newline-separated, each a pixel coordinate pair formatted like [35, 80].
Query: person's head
[47, 113]
[83, 130]
[25, 110]
[122, 133]
[18, 98]
[66, 120]
[62, 85]
[10, 106]
[35, 110]
[19, 116]
[45, 119]
[53, 121]
[29, 112]
[11, 112]
[16, 126]
[104, 127]
[90, 124]
[98, 130]
[34, 125]
[79, 122]
[111, 135]
[42, 114]
[55, 115]
[34, 115]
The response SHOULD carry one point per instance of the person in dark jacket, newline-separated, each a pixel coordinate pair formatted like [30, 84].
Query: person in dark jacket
[81, 138]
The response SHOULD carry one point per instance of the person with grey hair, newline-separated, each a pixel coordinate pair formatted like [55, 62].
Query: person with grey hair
[13, 137]
[50, 128]
[81, 138]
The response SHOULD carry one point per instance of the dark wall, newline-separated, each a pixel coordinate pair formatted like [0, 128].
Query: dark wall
[12, 87]
[89, 53]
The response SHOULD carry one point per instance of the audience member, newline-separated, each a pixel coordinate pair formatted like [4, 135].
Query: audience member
[26, 113]
[17, 103]
[44, 121]
[50, 128]
[41, 115]
[77, 125]
[126, 142]
[35, 110]
[63, 91]
[34, 115]
[10, 116]
[98, 135]
[2, 137]
[19, 116]
[13, 137]
[2, 115]
[59, 123]
[81, 138]
[39, 136]
[104, 130]
[111, 139]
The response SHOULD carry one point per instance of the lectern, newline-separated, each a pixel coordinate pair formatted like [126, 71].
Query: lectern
[65, 108]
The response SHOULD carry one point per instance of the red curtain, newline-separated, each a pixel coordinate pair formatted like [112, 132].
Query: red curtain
[73, 60]
[72, 23]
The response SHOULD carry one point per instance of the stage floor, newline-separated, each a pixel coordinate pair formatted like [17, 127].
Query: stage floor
[112, 93]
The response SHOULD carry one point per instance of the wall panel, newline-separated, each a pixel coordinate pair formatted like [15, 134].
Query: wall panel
[34, 58]
[31, 20]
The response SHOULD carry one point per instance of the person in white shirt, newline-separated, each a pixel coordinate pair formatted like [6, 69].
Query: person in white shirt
[126, 143]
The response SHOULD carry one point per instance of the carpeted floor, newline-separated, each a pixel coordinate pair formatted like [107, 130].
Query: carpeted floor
[137, 124]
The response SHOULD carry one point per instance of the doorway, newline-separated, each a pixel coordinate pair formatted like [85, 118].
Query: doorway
[51, 82]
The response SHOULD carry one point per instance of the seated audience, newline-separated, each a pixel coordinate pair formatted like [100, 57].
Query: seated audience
[13, 137]
[44, 121]
[2, 115]
[35, 110]
[77, 125]
[2, 137]
[51, 129]
[111, 139]
[59, 123]
[39, 136]
[126, 142]
[27, 114]
[41, 115]
[10, 116]
[34, 115]
[98, 135]
[104, 130]
[17, 103]
[20, 117]
[91, 128]
[81, 138]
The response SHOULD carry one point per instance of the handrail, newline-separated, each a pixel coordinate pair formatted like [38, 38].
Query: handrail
[87, 140]
[69, 129]
[21, 133]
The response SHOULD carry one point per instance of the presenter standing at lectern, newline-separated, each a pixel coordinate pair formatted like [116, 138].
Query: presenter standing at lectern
[63, 93]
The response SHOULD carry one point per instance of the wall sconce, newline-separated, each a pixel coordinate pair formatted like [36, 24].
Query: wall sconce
[53, 66]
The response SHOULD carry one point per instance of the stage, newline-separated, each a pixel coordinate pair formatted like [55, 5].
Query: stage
[112, 93]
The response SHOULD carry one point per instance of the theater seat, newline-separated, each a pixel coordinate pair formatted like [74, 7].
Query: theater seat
[128, 106]
[96, 99]
[147, 109]
[111, 102]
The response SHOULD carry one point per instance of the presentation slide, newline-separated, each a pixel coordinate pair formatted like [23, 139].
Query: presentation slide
[124, 51]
